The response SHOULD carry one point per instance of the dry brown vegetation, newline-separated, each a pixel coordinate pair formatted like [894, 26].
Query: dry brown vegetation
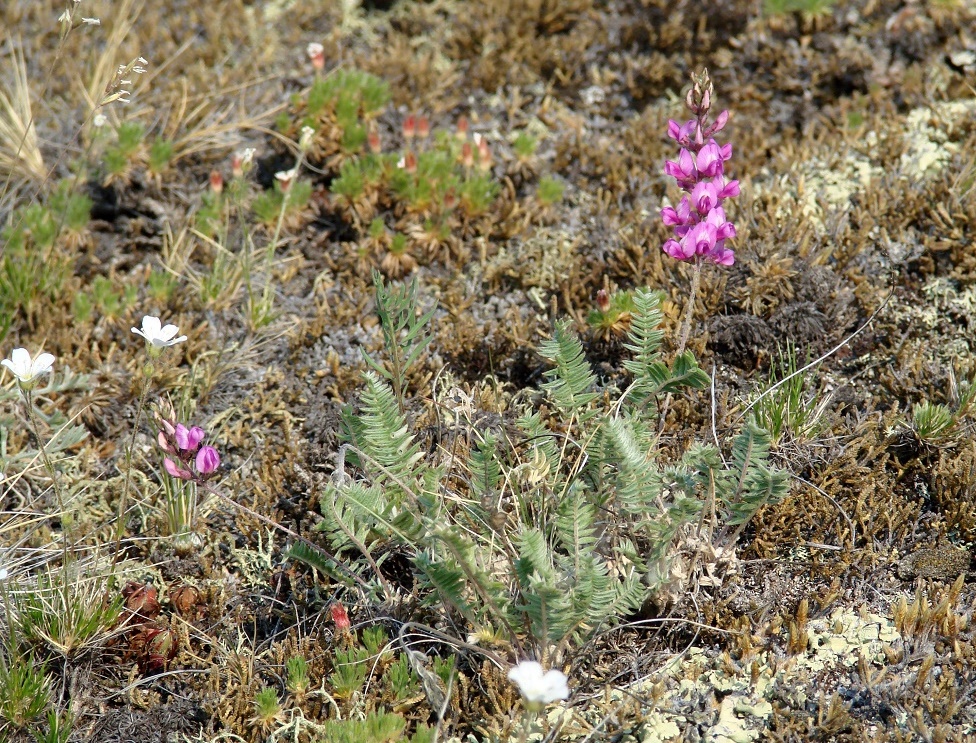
[855, 142]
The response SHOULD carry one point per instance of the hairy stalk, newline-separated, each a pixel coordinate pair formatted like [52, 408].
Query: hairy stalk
[685, 329]
[689, 307]
[148, 372]
[49, 466]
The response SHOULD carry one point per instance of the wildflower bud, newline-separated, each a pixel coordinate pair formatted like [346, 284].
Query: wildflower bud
[165, 415]
[216, 181]
[423, 127]
[373, 140]
[450, 200]
[341, 618]
[240, 162]
[603, 301]
[467, 155]
[316, 53]
[207, 461]
[163, 440]
[484, 154]
[409, 127]
[305, 138]
[285, 177]
[462, 128]
[174, 470]
[718, 125]
[410, 162]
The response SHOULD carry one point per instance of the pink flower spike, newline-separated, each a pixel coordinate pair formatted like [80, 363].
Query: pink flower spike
[194, 437]
[710, 160]
[718, 125]
[683, 171]
[723, 228]
[726, 189]
[674, 130]
[721, 255]
[182, 436]
[676, 250]
[704, 197]
[175, 471]
[207, 461]
[164, 444]
[700, 240]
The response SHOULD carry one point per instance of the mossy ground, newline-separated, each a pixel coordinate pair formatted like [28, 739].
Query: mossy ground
[855, 142]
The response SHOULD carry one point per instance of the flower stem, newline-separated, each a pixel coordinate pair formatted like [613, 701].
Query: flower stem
[689, 307]
[148, 372]
[685, 331]
[45, 457]
[63, 514]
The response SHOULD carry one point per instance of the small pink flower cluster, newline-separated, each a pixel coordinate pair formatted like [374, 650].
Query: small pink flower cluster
[192, 461]
[700, 226]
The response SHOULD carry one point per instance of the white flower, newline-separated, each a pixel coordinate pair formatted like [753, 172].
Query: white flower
[100, 120]
[538, 686]
[314, 49]
[27, 370]
[306, 137]
[91, 21]
[158, 336]
[3, 573]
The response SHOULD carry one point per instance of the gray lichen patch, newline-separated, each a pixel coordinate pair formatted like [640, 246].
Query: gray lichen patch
[928, 135]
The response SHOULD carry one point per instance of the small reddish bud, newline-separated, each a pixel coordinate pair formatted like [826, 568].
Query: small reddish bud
[603, 300]
[423, 127]
[341, 618]
[484, 154]
[216, 181]
[462, 128]
[467, 155]
[409, 127]
[450, 200]
[410, 162]
[373, 140]
[316, 53]
[241, 161]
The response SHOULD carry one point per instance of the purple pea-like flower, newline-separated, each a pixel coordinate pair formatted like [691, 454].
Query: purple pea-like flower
[698, 222]
[176, 471]
[677, 250]
[710, 159]
[683, 170]
[704, 197]
[188, 439]
[207, 461]
[677, 217]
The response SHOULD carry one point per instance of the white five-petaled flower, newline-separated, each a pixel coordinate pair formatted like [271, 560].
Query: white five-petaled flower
[538, 686]
[26, 369]
[157, 335]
